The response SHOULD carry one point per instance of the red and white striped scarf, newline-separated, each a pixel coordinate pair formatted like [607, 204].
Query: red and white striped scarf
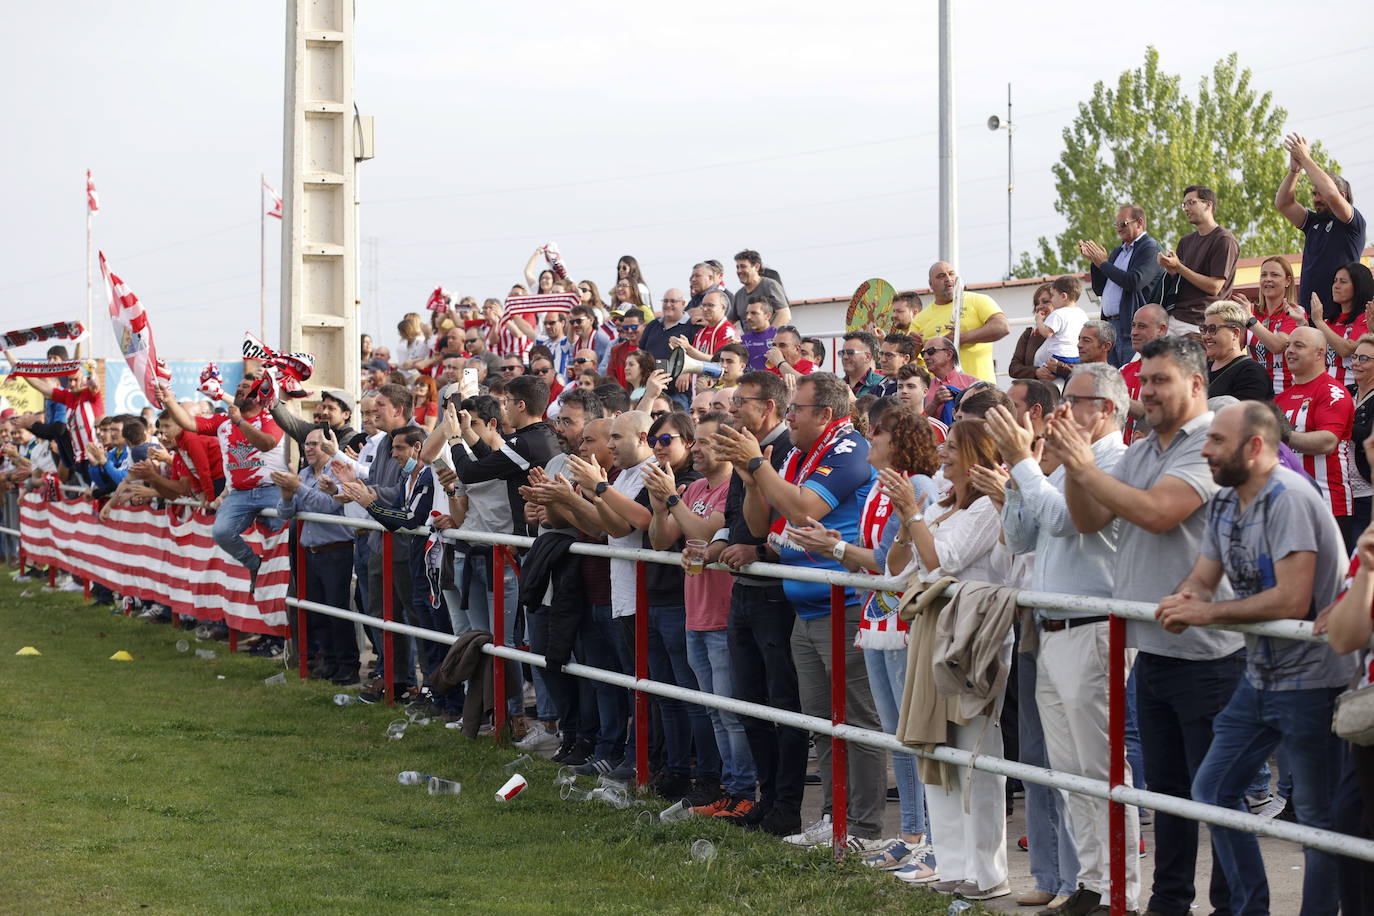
[61, 330]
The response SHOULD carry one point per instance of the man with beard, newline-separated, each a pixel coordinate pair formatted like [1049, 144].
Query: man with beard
[1334, 229]
[252, 446]
[1277, 544]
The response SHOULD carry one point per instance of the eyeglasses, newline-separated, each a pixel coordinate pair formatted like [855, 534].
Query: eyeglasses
[1124, 223]
[1073, 400]
[579, 321]
[928, 352]
[1190, 202]
[664, 440]
[545, 371]
[511, 368]
[852, 352]
[739, 399]
[667, 301]
[579, 362]
[551, 324]
[794, 407]
[654, 415]
[584, 289]
[1212, 329]
[1359, 359]
[470, 340]
[631, 327]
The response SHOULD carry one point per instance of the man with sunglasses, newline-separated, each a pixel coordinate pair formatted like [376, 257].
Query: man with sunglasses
[584, 336]
[555, 337]
[631, 326]
[942, 360]
[857, 356]
[1125, 278]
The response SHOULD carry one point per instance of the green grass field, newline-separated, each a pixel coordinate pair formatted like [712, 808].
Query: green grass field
[173, 783]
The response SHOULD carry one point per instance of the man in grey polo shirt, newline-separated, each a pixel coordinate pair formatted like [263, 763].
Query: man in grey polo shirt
[1068, 679]
[1160, 491]
[1274, 538]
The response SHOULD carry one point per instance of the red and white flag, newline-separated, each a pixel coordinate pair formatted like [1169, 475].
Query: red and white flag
[439, 300]
[132, 332]
[92, 199]
[276, 201]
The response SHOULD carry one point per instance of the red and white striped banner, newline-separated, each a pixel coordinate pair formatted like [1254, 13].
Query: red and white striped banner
[92, 199]
[525, 306]
[276, 201]
[149, 554]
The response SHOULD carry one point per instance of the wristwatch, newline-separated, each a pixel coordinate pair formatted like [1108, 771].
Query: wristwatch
[918, 517]
[760, 551]
[755, 464]
[838, 549]
[1251, 321]
[601, 488]
[672, 500]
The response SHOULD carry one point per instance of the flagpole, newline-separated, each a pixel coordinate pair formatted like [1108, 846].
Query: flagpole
[90, 316]
[262, 256]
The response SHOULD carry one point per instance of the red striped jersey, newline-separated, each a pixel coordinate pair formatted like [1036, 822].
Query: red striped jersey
[1278, 323]
[1322, 404]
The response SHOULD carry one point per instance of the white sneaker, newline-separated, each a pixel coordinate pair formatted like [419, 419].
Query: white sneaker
[818, 834]
[1258, 803]
[539, 740]
[1273, 809]
[921, 868]
[865, 846]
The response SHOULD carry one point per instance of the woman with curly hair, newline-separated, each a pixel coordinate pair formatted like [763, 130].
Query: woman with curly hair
[902, 444]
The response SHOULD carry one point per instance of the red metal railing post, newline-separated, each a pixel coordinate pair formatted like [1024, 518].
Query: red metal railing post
[52, 575]
[22, 566]
[1116, 711]
[839, 771]
[388, 650]
[498, 637]
[641, 674]
[302, 644]
[86, 589]
[233, 640]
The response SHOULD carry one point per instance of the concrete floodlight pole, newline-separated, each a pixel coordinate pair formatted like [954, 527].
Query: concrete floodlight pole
[319, 244]
[949, 202]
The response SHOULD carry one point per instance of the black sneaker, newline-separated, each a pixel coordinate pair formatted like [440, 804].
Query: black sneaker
[324, 672]
[746, 816]
[1080, 903]
[580, 753]
[779, 823]
[704, 792]
[565, 748]
[345, 677]
[597, 768]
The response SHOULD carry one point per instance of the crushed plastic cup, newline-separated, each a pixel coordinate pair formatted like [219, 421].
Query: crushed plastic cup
[959, 907]
[275, 679]
[513, 787]
[439, 786]
[396, 729]
[345, 699]
[646, 819]
[606, 782]
[613, 795]
[703, 850]
[570, 792]
[417, 717]
[205, 653]
[565, 777]
[678, 812]
[183, 645]
[519, 763]
[412, 778]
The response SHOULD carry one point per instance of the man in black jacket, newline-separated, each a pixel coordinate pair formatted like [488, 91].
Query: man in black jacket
[1126, 277]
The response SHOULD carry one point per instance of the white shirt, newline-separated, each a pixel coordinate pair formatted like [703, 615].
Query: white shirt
[628, 484]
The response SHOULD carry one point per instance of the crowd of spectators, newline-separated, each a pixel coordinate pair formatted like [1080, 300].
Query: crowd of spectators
[1185, 447]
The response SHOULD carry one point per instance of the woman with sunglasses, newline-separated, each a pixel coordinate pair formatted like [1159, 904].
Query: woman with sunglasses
[1362, 371]
[900, 442]
[627, 268]
[1230, 370]
[425, 403]
[1352, 291]
[684, 724]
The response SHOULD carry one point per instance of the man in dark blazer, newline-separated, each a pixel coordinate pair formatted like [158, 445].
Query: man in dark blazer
[1125, 278]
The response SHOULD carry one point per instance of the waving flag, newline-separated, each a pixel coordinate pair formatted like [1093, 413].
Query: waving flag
[131, 331]
[439, 300]
[527, 306]
[92, 199]
[276, 201]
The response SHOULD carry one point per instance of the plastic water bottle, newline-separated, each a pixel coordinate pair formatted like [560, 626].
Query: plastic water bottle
[439, 786]
[412, 778]
[182, 645]
[345, 699]
[275, 680]
[959, 907]
[205, 653]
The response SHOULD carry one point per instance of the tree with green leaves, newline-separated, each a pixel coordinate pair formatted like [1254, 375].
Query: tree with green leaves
[1145, 141]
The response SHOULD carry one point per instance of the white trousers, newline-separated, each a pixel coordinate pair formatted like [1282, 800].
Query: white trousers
[971, 846]
[1072, 680]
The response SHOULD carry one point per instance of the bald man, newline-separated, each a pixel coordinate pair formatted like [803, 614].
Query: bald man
[1148, 323]
[981, 324]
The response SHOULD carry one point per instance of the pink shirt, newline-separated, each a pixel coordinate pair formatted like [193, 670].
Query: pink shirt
[707, 595]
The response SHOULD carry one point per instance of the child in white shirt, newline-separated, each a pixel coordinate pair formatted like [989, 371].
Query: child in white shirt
[1062, 324]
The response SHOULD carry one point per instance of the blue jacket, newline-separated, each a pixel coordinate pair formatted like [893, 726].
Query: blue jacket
[1137, 283]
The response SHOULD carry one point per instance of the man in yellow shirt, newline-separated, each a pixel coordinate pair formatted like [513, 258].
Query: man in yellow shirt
[983, 322]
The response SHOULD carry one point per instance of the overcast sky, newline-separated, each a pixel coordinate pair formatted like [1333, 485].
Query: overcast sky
[673, 132]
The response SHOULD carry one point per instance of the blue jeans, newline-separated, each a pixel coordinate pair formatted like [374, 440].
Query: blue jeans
[1134, 755]
[1252, 725]
[234, 516]
[601, 642]
[683, 722]
[477, 615]
[708, 651]
[886, 681]
[1178, 699]
[1053, 857]
[426, 614]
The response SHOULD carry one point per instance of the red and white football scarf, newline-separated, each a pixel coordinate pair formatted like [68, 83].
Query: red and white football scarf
[439, 300]
[42, 368]
[555, 259]
[529, 306]
[798, 468]
[61, 330]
